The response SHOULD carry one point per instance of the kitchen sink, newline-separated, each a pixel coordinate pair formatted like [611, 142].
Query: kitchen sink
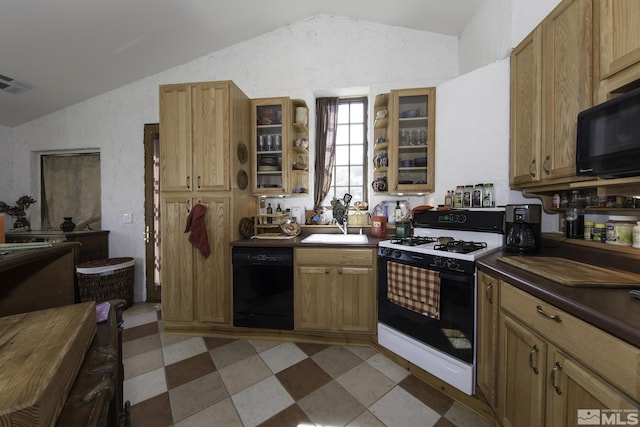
[336, 239]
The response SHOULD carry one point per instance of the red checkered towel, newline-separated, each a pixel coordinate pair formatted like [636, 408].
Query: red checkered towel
[414, 288]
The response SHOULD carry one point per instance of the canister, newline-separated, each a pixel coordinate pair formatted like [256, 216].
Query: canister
[403, 229]
[379, 226]
[620, 230]
[600, 233]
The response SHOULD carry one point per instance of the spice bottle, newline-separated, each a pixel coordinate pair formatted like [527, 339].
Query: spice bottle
[636, 235]
[466, 196]
[476, 200]
[488, 196]
[589, 229]
[448, 199]
[457, 196]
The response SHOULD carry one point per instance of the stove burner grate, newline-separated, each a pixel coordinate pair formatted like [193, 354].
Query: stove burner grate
[413, 241]
[460, 246]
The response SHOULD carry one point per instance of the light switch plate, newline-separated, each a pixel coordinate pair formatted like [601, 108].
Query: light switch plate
[126, 218]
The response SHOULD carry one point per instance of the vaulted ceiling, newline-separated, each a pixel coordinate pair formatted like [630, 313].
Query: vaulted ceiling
[65, 51]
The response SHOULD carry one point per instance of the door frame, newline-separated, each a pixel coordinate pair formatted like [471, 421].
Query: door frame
[151, 209]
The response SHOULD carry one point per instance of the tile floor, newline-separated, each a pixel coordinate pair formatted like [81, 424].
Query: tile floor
[181, 381]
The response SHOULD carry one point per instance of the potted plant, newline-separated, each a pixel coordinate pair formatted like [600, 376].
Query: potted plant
[19, 211]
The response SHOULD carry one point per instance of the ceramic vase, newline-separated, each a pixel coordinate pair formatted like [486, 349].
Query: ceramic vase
[67, 226]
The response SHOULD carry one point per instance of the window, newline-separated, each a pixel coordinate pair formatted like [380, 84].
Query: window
[349, 170]
[71, 188]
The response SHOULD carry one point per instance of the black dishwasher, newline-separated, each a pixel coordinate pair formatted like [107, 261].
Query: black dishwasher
[263, 287]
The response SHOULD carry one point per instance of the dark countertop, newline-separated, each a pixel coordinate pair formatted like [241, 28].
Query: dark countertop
[306, 231]
[610, 309]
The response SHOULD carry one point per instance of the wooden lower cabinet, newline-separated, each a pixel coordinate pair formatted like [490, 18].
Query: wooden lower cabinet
[487, 358]
[522, 375]
[552, 364]
[195, 288]
[334, 290]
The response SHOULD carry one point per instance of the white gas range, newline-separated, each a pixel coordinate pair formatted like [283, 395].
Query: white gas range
[427, 291]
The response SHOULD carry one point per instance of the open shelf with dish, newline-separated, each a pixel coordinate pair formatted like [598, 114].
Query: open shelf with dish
[381, 147]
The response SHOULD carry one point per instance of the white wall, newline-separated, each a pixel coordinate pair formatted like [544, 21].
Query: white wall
[487, 37]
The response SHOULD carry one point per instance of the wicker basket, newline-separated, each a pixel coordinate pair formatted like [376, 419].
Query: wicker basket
[358, 218]
[106, 279]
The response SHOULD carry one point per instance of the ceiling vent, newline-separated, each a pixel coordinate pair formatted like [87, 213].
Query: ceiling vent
[8, 84]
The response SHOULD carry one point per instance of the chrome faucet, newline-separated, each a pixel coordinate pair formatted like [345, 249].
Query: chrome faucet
[344, 228]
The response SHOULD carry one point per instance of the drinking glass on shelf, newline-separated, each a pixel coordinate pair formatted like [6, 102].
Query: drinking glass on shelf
[422, 136]
[269, 142]
[277, 142]
[262, 143]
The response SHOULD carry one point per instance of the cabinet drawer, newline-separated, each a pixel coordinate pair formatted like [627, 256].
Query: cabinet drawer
[333, 256]
[613, 359]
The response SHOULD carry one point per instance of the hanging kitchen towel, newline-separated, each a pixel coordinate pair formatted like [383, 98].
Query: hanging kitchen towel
[196, 224]
[413, 288]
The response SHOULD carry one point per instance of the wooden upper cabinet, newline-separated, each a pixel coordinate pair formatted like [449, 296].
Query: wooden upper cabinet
[551, 82]
[195, 129]
[567, 86]
[619, 35]
[618, 45]
[526, 99]
[175, 127]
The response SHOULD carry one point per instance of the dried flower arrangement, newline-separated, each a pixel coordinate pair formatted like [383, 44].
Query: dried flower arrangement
[20, 208]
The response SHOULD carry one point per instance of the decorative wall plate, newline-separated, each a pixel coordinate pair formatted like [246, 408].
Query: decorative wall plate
[243, 153]
[243, 179]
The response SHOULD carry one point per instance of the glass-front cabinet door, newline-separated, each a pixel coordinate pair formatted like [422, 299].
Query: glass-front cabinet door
[411, 141]
[280, 146]
[270, 177]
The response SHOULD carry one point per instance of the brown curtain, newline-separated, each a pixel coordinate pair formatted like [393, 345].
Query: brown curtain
[326, 119]
[71, 188]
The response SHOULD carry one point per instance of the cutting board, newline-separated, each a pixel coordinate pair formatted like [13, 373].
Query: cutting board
[573, 273]
[40, 355]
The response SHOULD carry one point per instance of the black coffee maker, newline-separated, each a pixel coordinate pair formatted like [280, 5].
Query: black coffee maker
[523, 228]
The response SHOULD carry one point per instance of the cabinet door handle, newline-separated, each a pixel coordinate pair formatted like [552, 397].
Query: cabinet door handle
[534, 350]
[555, 317]
[198, 182]
[326, 271]
[545, 165]
[188, 182]
[339, 271]
[532, 168]
[556, 369]
[489, 293]
[188, 205]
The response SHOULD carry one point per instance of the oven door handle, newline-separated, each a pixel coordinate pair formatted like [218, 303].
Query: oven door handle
[460, 278]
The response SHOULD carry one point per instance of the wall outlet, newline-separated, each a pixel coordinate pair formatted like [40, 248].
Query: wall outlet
[126, 218]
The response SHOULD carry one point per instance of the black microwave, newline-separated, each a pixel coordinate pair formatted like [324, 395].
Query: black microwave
[608, 138]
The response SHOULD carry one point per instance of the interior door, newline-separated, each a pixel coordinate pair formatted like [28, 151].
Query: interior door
[152, 210]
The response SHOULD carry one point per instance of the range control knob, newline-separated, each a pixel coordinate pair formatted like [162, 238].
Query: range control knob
[452, 264]
[397, 253]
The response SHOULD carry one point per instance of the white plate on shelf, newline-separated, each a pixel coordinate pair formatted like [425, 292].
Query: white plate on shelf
[267, 168]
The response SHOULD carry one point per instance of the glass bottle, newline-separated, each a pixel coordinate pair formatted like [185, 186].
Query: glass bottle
[269, 212]
[476, 200]
[457, 197]
[488, 196]
[398, 212]
[466, 196]
[574, 227]
[448, 199]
